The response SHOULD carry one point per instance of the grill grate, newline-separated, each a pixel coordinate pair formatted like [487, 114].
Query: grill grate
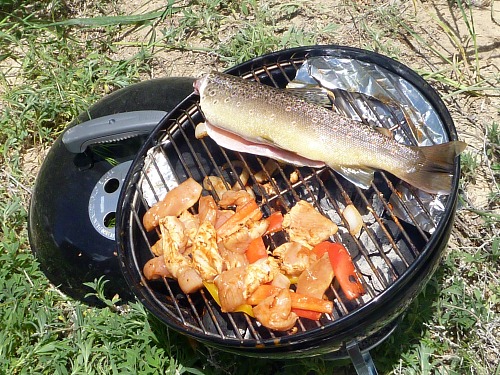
[385, 250]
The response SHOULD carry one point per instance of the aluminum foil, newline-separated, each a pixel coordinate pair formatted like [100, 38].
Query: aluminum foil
[391, 91]
[368, 92]
[159, 176]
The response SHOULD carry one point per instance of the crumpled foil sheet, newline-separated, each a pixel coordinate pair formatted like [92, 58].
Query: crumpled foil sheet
[160, 177]
[392, 91]
[365, 91]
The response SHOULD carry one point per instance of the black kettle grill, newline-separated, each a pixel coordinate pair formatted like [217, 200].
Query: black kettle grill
[395, 259]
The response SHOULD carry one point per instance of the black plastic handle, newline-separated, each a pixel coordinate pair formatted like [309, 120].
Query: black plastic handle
[111, 128]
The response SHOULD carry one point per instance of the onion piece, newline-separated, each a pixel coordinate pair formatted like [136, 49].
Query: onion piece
[244, 175]
[354, 219]
[216, 184]
[269, 168]
[200, 131]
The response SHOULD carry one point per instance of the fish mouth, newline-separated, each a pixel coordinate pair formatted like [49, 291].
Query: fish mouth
[197, 84]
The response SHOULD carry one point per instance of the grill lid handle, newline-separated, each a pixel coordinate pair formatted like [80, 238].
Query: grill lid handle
[111, 128]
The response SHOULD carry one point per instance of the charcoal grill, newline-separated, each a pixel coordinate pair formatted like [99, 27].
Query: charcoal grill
[394, 257]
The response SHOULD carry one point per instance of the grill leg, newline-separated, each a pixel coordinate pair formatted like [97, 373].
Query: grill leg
[363, 363]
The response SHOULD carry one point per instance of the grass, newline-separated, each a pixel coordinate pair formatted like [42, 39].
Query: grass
[55, 62]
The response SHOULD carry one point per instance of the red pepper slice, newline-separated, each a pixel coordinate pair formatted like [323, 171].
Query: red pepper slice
[275, 221]
[343, 268]
[308, 314]
[256, 250]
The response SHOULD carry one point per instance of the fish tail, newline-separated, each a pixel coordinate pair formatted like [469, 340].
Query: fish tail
[434, 170]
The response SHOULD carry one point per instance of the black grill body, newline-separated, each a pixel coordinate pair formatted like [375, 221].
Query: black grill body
[197, 315]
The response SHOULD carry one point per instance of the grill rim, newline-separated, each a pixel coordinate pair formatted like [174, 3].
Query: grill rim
[361, 320]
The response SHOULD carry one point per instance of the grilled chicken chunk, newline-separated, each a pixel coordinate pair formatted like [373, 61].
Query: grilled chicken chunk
[206, 257]
[275, 312]
[294, 257]
[237, 284]
[238, 241]
[314, 280]
[171, 246]
[307, 226]
[177, 200]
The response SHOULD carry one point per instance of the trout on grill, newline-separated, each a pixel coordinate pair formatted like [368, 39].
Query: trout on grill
[250, 117]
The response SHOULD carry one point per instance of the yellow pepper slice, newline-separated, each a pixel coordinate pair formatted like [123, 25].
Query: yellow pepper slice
[214, 292]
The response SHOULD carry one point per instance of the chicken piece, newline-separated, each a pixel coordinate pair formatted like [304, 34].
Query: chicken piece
[293, 258]
[222, 217]
[237, 284]
[176, 231]
[235, 198]
[207, 209]
[190, 221]
[174, 260]
[205, 253]
[317, 278]
[177, 265]
[191, 224]
[157, 249]
[307, 226]
[275, 312]
[230, 285]
[175, 201]
[232, 259]
[260, 272]
[156, 268]
[238, 241]
[189, 280]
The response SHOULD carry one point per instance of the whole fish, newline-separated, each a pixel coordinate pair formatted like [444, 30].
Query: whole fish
[251, 117]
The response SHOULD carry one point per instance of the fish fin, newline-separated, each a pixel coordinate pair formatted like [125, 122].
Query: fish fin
[434, 171]
[384, 131]
[315, 95]
[361, 177]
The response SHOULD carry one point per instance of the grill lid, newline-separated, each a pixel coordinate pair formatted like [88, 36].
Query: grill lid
[75, 195]
[393, 257]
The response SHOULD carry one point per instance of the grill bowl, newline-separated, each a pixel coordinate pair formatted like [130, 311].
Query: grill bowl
[197, 315]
